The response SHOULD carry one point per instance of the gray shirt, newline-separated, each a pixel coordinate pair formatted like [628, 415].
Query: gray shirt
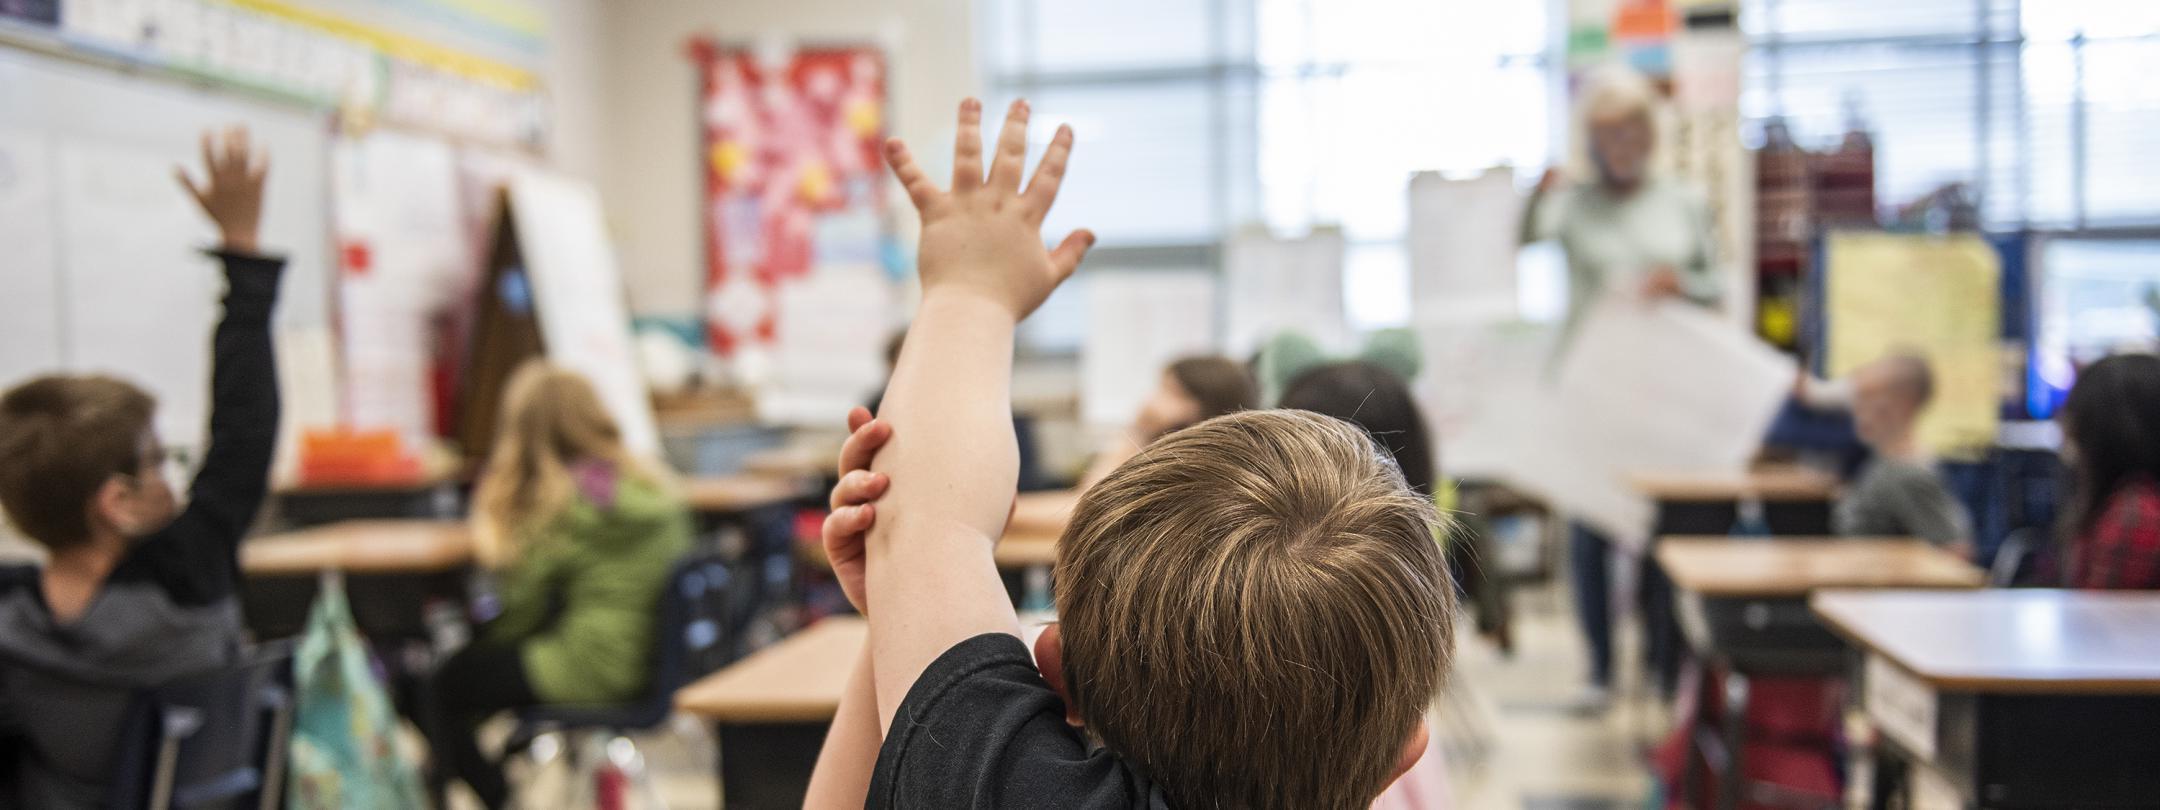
[1897, 498]
[1613, 241]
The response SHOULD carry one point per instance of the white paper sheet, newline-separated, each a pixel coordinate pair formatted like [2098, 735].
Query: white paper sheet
[1272, 284]
[1139, 321]
[1664, 387]
[30, 283]
[578, 294]
[1668, 387]
[1463, 240]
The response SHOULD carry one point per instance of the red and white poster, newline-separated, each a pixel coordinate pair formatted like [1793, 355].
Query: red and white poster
[794, 181]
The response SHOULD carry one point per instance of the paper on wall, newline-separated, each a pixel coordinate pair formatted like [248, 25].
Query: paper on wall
[1138, 322]
[578, 294]
[30, 286]
[829, 352]
[406, 257]
[1463, 241]
[1938, 295]
[1272, 284]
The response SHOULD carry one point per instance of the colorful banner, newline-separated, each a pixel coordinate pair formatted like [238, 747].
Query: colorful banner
[368, 73]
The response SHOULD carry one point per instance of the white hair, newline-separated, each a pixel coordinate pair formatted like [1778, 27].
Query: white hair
[1617, 91]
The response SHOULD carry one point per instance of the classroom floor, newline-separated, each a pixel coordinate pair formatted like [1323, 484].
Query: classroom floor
[1540, 753]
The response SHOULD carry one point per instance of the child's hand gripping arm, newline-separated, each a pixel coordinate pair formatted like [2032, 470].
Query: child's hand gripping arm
[953, 459]
[849, 758]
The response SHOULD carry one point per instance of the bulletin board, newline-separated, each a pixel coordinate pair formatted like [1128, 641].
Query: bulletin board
[1938, 295]
[801, 288]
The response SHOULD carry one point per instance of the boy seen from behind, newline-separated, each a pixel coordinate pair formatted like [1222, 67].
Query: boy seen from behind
[1254, 612]
[136, 590]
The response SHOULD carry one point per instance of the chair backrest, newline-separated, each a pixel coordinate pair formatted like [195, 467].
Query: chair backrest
[212, 740]
[690, 627]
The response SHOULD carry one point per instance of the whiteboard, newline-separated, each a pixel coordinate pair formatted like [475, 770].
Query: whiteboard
[578, 293]
[107, 275]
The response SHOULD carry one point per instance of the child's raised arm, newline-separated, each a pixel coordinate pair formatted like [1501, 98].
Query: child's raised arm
[953, 460]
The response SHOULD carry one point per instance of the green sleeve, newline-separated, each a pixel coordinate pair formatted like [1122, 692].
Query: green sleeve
[1699, 278]
[525, 590]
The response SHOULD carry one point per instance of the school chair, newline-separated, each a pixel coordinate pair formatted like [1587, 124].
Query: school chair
[689, 636]
[214, 740]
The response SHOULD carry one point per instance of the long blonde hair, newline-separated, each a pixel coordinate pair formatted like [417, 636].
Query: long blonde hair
[551, 419]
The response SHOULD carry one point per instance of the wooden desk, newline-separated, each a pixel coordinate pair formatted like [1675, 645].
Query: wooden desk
[2016, 698]
[736, 494]
[1797, 566]
[361, 546]
[394, 569]
[795, 461]
[1742, 606]
[1794, 501]
[1768, 483]
[771, 711]
[1042, 513]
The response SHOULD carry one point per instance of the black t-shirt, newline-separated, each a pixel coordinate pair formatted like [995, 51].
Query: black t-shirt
[981, 729]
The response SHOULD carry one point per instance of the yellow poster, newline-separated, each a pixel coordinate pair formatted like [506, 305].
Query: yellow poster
[1938, 295]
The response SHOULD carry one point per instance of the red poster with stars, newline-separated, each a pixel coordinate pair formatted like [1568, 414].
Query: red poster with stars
[792, 141]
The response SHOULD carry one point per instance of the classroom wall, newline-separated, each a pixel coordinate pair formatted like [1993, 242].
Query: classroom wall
[650, 179]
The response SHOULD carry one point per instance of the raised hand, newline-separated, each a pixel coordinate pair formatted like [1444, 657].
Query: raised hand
[232, 193]
[854, 509]
[985, 236]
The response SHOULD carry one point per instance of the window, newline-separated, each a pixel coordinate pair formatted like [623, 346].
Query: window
[1210, 114]
[2042, 107]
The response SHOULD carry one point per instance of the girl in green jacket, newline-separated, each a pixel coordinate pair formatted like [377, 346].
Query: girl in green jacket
[581, 535]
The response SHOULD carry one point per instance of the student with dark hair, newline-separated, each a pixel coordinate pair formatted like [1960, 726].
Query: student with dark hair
[2111, 440]
[1378, 400]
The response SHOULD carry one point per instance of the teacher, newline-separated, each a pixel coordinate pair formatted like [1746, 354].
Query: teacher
[1631, 233]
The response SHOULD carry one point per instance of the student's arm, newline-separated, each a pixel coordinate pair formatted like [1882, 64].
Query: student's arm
[1540, 214]
[1698, 277]
[849, 757]
[953, 459]
[234, 476]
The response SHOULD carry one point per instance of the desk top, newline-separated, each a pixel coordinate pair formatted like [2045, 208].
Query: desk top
[1771, 483]
[1026, 549]
[1044, 512]
[1794, 566]
[2008, 641]
[798, 680]
[743, 492]
[363, 547]
[805, 460]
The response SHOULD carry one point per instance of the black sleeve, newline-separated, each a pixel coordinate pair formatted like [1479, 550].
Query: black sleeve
[198, 555]
[980, 729]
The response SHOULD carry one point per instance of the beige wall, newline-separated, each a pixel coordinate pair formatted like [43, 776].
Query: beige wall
[650, 176]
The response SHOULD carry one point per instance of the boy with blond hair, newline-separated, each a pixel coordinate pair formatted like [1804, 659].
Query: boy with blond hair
[1254, 612]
